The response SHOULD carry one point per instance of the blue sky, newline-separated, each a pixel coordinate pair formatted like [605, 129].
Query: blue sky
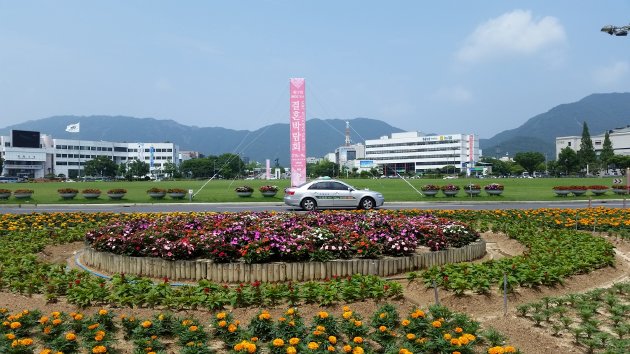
[433, 66]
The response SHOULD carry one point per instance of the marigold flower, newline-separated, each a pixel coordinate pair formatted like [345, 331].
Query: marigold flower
[464, 340]
[221, 315]
[47, 330]
[78, 317]
[294, 341]
[71, 336]
[509, 349]
[56, 314]
[405, 322]
[222, 323]
[186, 323]
[382, 328]
[193, 328]
[447, 336]
[455, 342]
[382, 315]
[232, 328]
[332, 339]
[278, 342]
[357, 340]
[10, 336]
[239, 346]
[102, 312]
[458, 330]
[93, 326]
[330, 348]
[264, 316]
[291, 350]
[346, 308]
[146, 324]
[251, 348]
[317, 333]
[46, 351]
[57, 321]
[99, 337]
[254, 339]
[43, 320]
[323, 314]
[290, 312]
[358, 323]
[436, 324]
[99, 349]
[15, 325]
[347, 348]
[347, 314]
[25, 341]
[456, 352]
[358, 350]
[411, 336]
[496, 350]
[312, 345]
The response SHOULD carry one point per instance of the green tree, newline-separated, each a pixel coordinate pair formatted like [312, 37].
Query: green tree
[171, 169]
[198, 168]
[499, 168]
[620, 161]
[568, 161]
[322, 168]
[101, 166]
[529, 160]
[138, 168]
[586, 155]
[230, 165]
[607, 152]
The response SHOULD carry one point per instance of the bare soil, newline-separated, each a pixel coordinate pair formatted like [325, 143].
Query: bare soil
[487, 309]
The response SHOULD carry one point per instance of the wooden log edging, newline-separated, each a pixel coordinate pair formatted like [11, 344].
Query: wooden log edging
[277, 271]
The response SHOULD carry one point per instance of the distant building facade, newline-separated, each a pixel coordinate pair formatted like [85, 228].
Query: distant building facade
[414, 152]
[619, 137]
[68, 157]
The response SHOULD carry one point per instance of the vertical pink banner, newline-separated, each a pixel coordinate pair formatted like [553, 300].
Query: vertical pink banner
[268, 169]
[297, 130]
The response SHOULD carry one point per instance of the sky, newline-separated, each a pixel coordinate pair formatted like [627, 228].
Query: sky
[441, 67]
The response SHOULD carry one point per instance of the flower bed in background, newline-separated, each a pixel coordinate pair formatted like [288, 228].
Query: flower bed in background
[268, 236]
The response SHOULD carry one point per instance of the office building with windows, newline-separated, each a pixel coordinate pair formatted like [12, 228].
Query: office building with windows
[417, 153]
[44, 155]
[619, 137]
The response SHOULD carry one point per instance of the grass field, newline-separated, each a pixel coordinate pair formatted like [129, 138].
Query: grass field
[516, 189]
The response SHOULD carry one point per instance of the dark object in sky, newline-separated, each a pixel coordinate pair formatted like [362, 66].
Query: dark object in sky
[617, 31]
[25, 138]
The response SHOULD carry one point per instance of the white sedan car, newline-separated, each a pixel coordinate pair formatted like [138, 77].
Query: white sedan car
[330, 193]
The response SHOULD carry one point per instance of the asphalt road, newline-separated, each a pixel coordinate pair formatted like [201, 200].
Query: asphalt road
[279, 206]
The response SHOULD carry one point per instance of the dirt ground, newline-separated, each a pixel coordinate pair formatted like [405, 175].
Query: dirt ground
[487, 309]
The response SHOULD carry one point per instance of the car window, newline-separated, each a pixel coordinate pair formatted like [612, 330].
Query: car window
[339, 186]
[318, 186]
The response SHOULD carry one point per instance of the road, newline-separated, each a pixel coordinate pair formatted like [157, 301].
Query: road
[279, 206]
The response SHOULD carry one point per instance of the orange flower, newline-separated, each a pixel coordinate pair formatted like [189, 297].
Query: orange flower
[291, 350]
[221, 315]
[294, 341]
[411, 336]
[15, 325]
[232, 328]
[312, 345]
[278, 342]
[222, 324]
[357, 340]
[382, 328]
[436, 324]
[102, 312]
[332, 339]
[347, 348]
[447, 336]
[146, 324]
[71, 336]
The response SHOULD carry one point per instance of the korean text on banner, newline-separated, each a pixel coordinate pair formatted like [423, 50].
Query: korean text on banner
[297, 131]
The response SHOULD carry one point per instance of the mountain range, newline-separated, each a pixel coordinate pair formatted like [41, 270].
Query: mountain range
[600, 111]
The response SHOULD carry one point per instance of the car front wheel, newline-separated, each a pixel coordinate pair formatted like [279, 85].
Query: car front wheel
[367, 203]
[309, 204]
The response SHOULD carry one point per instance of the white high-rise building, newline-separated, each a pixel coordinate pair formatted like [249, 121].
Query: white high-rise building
[68, 156]
[414, 152]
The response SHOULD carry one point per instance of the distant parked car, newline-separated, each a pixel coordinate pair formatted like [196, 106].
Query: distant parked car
[330, 193]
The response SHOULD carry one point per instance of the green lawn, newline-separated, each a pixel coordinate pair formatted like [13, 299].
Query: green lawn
[520, 189]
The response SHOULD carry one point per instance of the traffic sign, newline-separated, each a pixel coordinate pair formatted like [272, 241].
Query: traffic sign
[617, 181]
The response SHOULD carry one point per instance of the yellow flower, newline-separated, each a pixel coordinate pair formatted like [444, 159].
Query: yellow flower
[358, 323]
[264, 316]
[71, 336]
[463, 339]
[382, 328]
[43, 320]
[436, 324]
[222, 323]
[382, 315]
[146, 324]
[232, 328]
[455, 342]
[447, 336]
[239, 346]
[25, 341]
[186, 323]
[193, 328]
[456, 352]
[56, 314]
[102, 312]
[495, 350]
[57, 321]
[251, 348]
[330, 348]
[323, 314]
[411, 336]
[221, 315]
[358, 350]
[94, 326]
[290, 312]
[332, 339]
[405, 322]
[15, 325]
[347, 314]
[10, 336]
[291, 350]
[458, 330]
[78, 317]
[346, 308]
[357, 340]
[99, 349]
[294, 341]
[278, 342]
[509, 349]
[347, 348]
[312, 345]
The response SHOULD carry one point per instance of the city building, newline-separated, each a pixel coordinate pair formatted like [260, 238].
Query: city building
[41, 155]
[619, 137]
[417, 153]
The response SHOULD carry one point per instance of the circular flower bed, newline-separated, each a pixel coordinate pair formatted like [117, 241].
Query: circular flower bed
[268, 237]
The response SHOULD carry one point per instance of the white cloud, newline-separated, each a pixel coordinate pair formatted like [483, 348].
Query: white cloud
[514, 32]
[454, 94]
[612, 74]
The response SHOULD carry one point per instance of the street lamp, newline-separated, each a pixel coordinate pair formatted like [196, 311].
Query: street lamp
[617, 31]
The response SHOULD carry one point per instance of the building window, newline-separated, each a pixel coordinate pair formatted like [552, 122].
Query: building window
[569, 143]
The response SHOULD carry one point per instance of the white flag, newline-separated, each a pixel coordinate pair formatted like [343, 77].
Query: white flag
[73, 128]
